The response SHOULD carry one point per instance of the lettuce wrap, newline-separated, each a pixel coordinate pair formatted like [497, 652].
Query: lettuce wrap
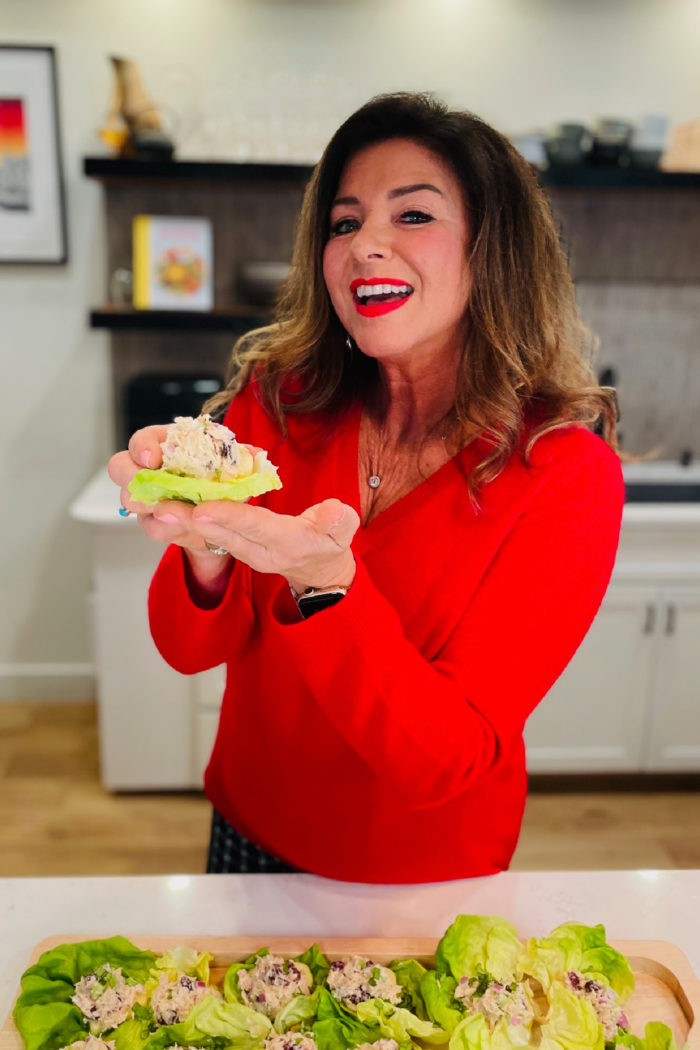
[477, 962]
[212, 1023]
[44, 1014]
[151, 486]
[301, 1010]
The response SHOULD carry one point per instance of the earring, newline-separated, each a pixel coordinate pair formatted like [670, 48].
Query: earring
[348, 344]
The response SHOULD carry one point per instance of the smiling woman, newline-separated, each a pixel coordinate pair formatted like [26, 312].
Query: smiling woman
[426, 395]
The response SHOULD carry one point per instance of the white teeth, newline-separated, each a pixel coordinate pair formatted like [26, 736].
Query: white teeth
[363, 290]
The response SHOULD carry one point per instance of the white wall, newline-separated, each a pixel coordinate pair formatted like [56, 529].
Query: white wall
[259, 78]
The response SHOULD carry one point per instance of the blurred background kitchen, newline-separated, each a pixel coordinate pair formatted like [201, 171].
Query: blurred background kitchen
[216, 113]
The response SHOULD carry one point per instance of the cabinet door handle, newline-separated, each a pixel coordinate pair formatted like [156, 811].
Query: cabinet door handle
[650, 620]
[670, 618]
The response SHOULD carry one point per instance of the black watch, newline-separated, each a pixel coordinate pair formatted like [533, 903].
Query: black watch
[314, 599]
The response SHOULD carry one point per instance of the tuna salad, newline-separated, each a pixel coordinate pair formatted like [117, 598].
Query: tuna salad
[603, 999]
[354, 980]
[273, 982]
[106, 998]
[91, 1043]
[200, 448]
[171, 1001]
[290, 1041]
[495, 1000]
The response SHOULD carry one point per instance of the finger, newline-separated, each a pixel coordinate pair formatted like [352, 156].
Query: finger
[335, 519]
[121, 469]
[144, 446]
[255, 523]
[173, 512]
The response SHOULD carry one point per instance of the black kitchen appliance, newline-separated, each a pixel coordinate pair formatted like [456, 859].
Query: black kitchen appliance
[159, 397]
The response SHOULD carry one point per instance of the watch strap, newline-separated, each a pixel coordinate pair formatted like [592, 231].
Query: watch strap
[314, 599]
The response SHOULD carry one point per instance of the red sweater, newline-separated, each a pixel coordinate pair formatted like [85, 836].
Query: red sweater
[381, 740]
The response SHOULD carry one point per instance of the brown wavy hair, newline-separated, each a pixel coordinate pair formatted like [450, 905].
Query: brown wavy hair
[527, 349]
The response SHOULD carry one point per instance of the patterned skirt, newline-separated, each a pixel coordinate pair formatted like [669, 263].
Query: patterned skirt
[231, 853]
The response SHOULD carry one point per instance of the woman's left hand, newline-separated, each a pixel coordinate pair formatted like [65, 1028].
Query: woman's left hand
[309, 550]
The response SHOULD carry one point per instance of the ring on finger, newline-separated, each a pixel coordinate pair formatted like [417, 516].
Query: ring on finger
[212, 547]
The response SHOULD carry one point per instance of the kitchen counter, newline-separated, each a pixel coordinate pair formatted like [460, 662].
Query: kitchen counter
[98, 504]
[658, 905]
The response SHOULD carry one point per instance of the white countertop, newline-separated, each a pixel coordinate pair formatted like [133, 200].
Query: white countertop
[98, 504]
[656, 905]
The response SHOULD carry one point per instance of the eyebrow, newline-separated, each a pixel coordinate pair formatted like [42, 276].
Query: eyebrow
[400, 191]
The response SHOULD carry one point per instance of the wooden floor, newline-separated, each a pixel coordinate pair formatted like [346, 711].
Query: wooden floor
[56, 819]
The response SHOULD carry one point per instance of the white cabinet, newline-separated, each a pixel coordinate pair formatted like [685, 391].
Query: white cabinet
[673, 741]
[630, 698]
[593, 717]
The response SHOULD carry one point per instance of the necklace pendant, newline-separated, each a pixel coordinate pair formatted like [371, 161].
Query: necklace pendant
[374, 481]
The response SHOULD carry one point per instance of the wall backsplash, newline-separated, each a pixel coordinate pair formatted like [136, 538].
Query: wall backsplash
[635, 259]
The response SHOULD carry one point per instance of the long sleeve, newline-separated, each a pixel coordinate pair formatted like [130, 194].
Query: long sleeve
[430, 728]
[189, 638]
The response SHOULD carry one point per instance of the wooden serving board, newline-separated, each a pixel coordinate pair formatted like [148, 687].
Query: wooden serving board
[666, 989]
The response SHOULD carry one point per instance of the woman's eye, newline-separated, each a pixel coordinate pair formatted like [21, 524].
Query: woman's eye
[414, 216]
[344, 226]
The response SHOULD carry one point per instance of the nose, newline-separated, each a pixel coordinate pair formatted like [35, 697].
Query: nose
[372, 241]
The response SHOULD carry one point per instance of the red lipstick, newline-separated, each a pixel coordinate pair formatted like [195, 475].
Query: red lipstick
[380, 306]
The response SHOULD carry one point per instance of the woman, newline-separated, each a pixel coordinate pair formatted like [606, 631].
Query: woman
[425, 396]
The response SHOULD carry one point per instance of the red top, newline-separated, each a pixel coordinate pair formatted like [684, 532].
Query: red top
[381, 739]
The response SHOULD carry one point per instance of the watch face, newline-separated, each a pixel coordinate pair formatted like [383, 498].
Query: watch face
[312, 603]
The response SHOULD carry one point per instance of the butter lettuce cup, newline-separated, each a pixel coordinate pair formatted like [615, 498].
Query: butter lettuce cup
[202, 460]
[82, 989]
[213, 1024]
[578, 958]
[284, 990]
[478, 974]
[374, 1021]
[178, 981]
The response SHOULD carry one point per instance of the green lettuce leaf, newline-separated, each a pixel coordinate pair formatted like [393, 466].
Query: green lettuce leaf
[184, 959]
[409, 974]
[397, 1023]
[571, 1023]
[133, 1034]
[479, 943]
[573, 946]
[44, 1015]
[472, 1033]
[150, 486]
[212, 1022]
[317, 962]
[438, 992]
[338, 1028]
[298, 1013]
[657, 1036]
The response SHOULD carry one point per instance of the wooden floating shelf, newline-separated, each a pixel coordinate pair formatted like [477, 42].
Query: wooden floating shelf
[584, 176]
[231, 319]
[612, 177]
[122, 169]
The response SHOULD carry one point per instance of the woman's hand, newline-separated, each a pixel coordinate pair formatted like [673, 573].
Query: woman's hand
[170, 520]
[311, 549]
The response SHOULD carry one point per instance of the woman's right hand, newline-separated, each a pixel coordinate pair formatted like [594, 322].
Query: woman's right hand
[169, 520]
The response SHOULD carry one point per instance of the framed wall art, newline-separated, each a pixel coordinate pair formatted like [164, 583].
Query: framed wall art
[32, 201]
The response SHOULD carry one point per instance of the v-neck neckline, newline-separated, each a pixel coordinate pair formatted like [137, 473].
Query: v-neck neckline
[436, 481]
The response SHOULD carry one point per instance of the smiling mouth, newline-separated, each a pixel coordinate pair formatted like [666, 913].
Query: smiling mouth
[376, 293]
